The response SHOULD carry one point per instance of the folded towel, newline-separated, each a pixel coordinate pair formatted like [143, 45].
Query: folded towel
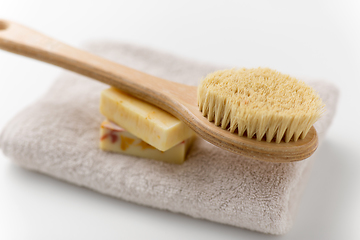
[59, 135]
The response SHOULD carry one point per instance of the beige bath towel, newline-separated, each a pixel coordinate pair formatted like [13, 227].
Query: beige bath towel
[59, 134]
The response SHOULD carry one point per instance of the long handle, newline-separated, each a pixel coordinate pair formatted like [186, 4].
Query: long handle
[24, 41]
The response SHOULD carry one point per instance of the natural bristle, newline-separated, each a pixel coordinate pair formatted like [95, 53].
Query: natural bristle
[259, 102]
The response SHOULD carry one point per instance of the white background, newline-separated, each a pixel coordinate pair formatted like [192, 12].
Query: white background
[315, 39]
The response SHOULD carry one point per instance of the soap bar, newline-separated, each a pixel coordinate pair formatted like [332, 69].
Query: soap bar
[116, 139]
[146, 121]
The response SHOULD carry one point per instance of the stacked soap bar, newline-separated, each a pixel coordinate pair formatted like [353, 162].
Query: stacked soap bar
[147, 122]
[116, 139]
[138, 128]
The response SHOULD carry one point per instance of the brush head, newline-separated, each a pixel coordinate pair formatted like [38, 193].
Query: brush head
[259, 102]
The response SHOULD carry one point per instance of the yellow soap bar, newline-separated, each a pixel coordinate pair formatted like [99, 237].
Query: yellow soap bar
[116, 139]
[146, 121]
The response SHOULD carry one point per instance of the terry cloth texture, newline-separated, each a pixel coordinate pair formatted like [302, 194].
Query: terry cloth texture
[59, 136]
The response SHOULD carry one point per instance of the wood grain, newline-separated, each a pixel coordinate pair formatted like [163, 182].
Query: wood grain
[177, 99]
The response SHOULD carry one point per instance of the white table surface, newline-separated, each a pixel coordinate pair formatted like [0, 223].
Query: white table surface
[316, 39]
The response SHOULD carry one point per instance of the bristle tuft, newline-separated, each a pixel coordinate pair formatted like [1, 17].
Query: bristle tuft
[261, 102]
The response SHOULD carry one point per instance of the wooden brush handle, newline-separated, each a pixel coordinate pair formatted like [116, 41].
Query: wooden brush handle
[24, 41]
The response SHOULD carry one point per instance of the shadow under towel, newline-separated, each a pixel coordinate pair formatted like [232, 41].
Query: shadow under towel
[59, 134]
